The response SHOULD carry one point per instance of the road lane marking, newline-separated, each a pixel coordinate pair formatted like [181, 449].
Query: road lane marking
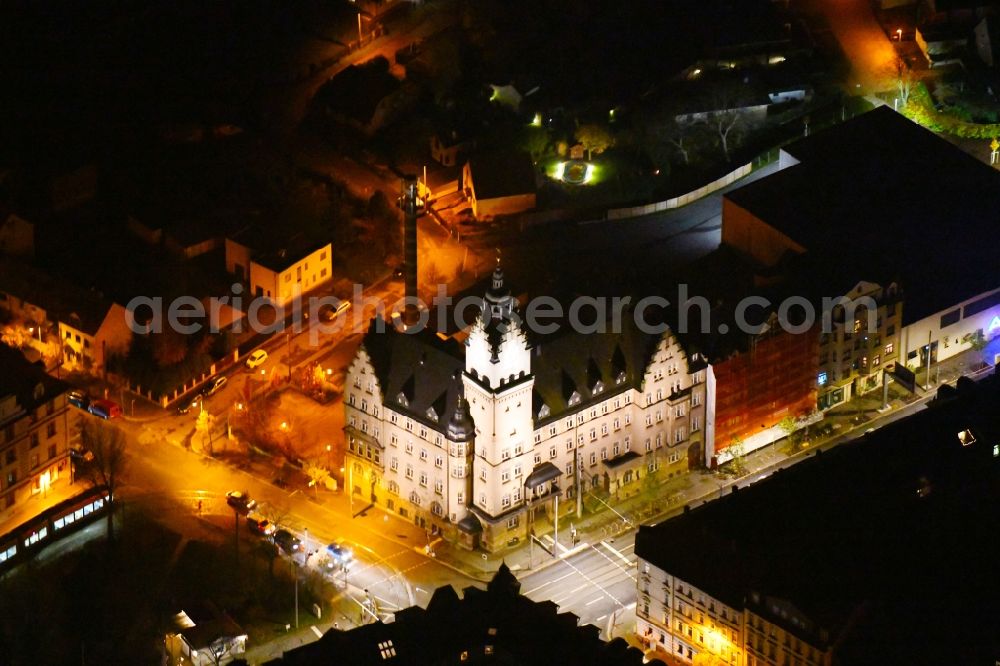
[593, 601]
[592, 581]
[319, 634]
[601, 618]
[616, 552]
[627, 572]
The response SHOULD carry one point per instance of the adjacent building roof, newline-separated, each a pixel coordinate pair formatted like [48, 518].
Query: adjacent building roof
[64, 302]
[877, 548]
[497, 626]
[879, 198]
[27, 381]
[502, 174]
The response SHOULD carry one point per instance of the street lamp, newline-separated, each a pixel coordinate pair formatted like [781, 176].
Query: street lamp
[899, 34]
[295, 573]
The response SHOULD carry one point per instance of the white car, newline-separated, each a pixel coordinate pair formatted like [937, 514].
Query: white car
[256, 359]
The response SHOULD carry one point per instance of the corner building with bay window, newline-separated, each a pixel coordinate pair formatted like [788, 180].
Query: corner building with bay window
[483, 442]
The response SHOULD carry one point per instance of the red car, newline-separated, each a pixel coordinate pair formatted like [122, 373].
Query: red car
[106, 409]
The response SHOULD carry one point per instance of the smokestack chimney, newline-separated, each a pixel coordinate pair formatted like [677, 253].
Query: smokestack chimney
[410, 247]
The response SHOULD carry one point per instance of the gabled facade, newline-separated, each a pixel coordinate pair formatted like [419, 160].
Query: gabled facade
[281, 275]
[852, 359]
[485, 444]
[35, 433]
[89, 339]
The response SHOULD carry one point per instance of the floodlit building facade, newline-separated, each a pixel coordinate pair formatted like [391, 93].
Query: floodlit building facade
[485, 443]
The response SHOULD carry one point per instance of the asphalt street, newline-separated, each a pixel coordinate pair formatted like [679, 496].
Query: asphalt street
[596, 583]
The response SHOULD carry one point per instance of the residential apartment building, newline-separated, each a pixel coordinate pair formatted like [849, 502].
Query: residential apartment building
[90, 328]
[93, 332]
[853, 358]
[485, 443]
[279, 275]
[782, 572]
[35, 431]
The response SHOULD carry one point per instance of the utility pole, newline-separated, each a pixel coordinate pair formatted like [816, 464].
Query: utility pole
[927, 380]
[291, 568]
[579, 482]
[555, 535]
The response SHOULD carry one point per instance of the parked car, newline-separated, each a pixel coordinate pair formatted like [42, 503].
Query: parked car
[338, 554]
[240, 501]
[214, 386]
[256, 359]
[78, 399]
[329, 313]
[187, 405]
[106, 409]
[287, 541]
[259, 525]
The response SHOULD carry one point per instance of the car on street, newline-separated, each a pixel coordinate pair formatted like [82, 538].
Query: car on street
[287, 541]
[256, 359]
[259, 525]
[214, 386]
[329, 312]
[188, 404]
[338, 554]
[240, 501]
[78, 399]
[106, 409]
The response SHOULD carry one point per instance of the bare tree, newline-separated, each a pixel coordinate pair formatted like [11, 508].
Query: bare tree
[904, 79]
[107, 444]
[724, 122]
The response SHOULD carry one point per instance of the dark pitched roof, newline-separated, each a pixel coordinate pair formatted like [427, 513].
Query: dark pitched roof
[502, 174]
[356, 91]
[875, 196]
[878, 542]
[63, 301]
[422, 367]
[496, 625]
[281, 259]
[568, 362]
[28, 381]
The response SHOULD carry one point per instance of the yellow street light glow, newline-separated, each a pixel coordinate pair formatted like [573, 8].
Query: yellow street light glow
[537, 120]
[558, 173]
[284, 425]
[329, 371]
[589, 173]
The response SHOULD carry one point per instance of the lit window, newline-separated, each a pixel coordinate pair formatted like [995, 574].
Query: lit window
[821, 379]
[386, 649]
[966, 438]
